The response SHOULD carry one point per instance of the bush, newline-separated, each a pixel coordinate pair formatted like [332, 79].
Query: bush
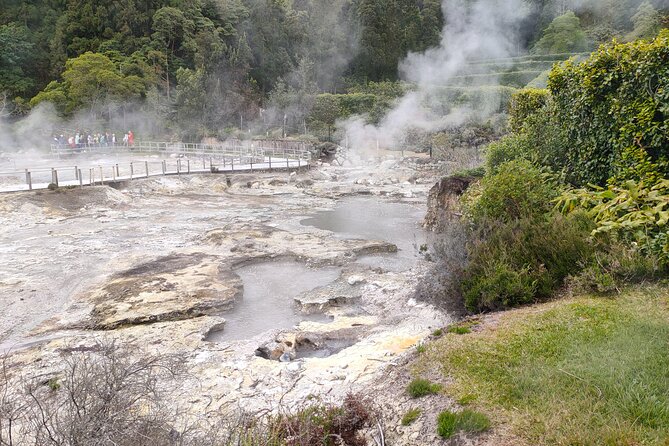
[525, 103]
[421, 387]
[613, 108]
[324, 425]
[511, 147]
[614, 267]
[518, 189]
[448, 423]
[633, 212]
[515, 263]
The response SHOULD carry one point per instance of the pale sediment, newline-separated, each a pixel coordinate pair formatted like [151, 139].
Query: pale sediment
[153, 265]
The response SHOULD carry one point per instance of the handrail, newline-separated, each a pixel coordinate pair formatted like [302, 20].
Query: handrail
[229, 148]
[98, 174]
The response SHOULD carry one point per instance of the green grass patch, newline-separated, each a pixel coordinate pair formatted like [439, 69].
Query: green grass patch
[463, 327]
[421, 387]
[438, 332]
[449, 423]
[457, 329]
[421, 348]
[410, 416]
[585, 371]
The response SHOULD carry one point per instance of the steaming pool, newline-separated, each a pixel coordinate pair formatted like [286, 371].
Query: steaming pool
[270, 287]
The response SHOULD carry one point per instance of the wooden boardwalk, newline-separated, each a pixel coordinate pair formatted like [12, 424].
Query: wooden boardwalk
[187, 159]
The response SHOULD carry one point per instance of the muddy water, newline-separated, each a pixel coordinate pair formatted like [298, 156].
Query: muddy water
[267, 303]
[375, 219]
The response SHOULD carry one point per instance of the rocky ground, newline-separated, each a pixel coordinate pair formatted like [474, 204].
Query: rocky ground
[152, 263]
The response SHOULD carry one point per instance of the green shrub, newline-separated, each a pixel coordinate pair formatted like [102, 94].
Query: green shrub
[476, 172]
[516, 190]
[410, 416]
[448, 423]
[325, 425]
[519, 262]
[525, 103]
[511, 147]
[438, 332]
[421, 387]
[633, 212]
[499, 285]
[546, 140]
[615, 266]
[614, 109]
[421, 348]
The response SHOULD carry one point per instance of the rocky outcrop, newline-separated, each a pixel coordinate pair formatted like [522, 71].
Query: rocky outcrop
[170, 288]
[442, 201]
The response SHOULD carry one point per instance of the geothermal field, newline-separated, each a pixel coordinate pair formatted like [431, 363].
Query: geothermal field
[271, 287]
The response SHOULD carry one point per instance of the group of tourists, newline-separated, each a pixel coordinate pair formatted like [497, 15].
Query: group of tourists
[81, 140]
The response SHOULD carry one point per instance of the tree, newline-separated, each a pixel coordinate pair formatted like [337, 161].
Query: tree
[15, 53]
[563, 35]
[170, 29]
[647, 22]
[93, 81]
[325, 112]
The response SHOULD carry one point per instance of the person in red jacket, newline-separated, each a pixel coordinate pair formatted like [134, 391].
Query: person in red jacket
[131, 138]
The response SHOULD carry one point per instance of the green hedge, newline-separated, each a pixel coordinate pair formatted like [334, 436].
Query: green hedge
[524, 103]
[614, 108]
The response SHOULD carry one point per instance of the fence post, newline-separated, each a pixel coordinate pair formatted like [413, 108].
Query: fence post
[113, 174]
[29, 179]
[118, 172]
[270, 161]
[204, 165]
[188, 166]
[132, 170]
[76, 173]
[232, 164]
[178, 166]
[164, 166]
[102, 177]
[286, 156]
[90, 176]
[81, 179]
[251, 162]
[146, 166]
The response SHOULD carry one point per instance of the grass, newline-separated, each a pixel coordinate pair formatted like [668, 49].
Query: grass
[410, 416]
[421, 387]
[421, 348]
[463, 327]
[449, 423]
[583, 371]
[457, 329]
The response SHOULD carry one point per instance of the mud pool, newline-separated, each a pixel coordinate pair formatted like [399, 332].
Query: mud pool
[267, 302]
[375, 219]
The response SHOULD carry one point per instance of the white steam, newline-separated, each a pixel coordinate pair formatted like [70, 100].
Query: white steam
[478, 30]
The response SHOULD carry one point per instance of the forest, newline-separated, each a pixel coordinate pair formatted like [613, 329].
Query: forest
[220, 68]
